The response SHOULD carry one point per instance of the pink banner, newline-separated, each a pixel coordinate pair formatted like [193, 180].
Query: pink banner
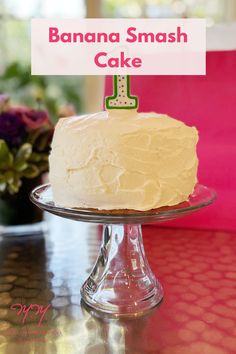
[118, 46]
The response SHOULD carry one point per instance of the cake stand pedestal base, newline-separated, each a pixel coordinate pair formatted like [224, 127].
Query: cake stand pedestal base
[121, 281]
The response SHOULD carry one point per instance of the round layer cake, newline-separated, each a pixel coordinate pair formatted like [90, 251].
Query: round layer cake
[122, 159]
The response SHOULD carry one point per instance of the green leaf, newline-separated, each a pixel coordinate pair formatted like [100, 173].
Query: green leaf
[3, 186]
[22, 155]
[14, 187]
[42, 142]
[13, 183]
[12, 71]
[34, 134]
[6, 157]
[10, 181]
[38, 156]
[3, 179]
[31, 171]
[42, 166]
[24, 152]
[21, 166]
[9, 176]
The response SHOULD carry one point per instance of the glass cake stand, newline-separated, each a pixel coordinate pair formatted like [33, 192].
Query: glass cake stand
[121, 281]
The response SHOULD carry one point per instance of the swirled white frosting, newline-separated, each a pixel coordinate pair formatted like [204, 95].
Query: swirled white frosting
[121, 159]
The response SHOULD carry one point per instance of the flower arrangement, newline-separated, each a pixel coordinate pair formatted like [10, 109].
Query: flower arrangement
[25, 136]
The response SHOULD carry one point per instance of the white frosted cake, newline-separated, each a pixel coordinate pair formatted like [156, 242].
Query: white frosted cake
[121, 159]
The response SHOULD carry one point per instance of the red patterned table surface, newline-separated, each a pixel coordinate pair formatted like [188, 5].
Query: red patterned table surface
[198, 272]
[197, 315]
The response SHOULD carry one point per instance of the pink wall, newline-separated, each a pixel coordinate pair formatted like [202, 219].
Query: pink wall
[209, 103]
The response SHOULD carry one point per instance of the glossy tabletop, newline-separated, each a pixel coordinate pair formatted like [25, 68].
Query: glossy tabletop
[198, 313]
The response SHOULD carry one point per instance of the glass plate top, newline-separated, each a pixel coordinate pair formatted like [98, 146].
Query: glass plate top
[201, 197]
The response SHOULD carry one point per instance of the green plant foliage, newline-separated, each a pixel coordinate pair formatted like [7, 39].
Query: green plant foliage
[6, 157]
[40, 92]
[27, 161]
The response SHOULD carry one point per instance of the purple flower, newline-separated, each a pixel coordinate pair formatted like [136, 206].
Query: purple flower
[31, 118]
[12, 128]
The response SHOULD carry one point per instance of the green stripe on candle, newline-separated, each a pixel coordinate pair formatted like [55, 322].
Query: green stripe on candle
[121, 98]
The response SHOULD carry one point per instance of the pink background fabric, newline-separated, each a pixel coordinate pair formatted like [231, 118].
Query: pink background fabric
[209, 103]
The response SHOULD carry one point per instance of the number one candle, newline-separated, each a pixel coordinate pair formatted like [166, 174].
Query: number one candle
[121, 98]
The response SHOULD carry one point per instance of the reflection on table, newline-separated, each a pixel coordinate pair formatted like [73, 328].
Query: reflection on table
[197, 315]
